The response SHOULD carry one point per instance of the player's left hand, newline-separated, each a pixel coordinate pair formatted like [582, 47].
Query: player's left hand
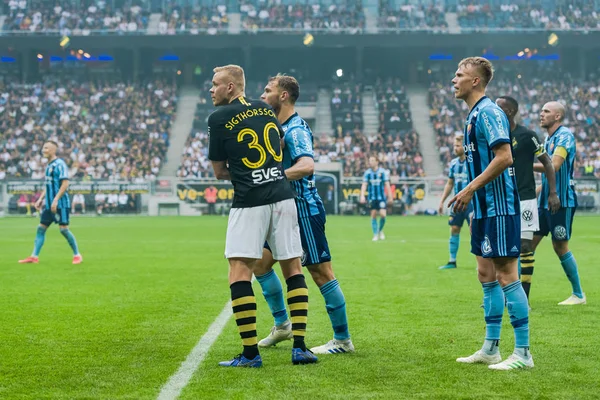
[54, 207]
[461, 200]
[390, 201]
[553, 203]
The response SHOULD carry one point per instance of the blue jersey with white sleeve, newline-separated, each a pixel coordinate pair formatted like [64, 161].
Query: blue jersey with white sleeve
[56, 172]
[298, 140]
[486, 127]
[562, 143]
[376, 180]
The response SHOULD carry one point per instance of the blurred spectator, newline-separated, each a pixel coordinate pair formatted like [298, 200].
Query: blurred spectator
[78, 202]
[105, 130]
[179, 20]
[411, 16]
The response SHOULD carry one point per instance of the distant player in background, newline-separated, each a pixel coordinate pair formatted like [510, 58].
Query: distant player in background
[496, 225]
[526, 148]
[457, 179]
[245, 148]
[57, 206]
[281, 93]
[376, 183]
[560, 145]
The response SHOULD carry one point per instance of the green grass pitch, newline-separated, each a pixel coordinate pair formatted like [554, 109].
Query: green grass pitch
[119, 325]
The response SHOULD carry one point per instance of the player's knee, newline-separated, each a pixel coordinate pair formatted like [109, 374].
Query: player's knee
[41, 229]
[526, 246]
[455, 230]
[561, 247]
[321, 273]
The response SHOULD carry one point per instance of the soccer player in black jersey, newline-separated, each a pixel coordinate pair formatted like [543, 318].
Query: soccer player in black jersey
[245, 148]
[526, 148]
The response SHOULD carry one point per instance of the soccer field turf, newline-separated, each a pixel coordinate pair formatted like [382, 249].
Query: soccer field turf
[120, 324]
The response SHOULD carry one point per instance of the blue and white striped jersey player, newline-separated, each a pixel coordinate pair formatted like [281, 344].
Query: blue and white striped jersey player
[281, 93]
[457, 179]
[56, 204]
[496, 225]
[560, 145]
[376, 183]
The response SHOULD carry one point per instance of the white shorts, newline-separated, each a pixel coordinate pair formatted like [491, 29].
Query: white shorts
[249, 228]
[530, 221]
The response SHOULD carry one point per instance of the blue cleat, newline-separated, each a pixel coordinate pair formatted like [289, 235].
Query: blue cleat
[241, 361]
[303, 357]
[450, 265]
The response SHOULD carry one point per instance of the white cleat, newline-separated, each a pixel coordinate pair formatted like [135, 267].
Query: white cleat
[381, 235]
[481, 358]
[376, 237]
[278, 334]
[573, 301]
[513, 362]
[335, 347]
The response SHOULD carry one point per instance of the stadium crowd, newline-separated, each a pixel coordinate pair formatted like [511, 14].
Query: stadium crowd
[579, 96]
[179, 20]
[412, 16]
[71, 19]
[105, 130]
[272, 14]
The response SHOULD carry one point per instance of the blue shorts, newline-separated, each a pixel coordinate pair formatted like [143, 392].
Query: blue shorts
[495, 237]
[560, 224]
[377, 205]
[315, 249]
[459, 219]
[61, 217]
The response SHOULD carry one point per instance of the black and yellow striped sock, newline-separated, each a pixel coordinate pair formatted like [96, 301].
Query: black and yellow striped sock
[243, 303]
[297, 299]
[527, 262]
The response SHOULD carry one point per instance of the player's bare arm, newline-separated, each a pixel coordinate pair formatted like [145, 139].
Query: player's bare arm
[502, 160]
[445, 194]
[363, 190]
[64, 185]
[388, 190]
[553, 200]
[304, 166]
[221, 171]
[38, 202]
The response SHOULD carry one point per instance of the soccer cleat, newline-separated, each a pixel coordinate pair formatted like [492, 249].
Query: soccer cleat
[334, 347]
[30, 260]
[450, 265]
[242, 362]
[381, 235]
[513, 362]
[277, 335]
[376, 237]
[77, 259]
[303, 357]
[573, 301]
[481, 358]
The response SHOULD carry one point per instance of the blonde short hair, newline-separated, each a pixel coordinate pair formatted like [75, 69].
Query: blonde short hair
[235, 74]
[483, 66]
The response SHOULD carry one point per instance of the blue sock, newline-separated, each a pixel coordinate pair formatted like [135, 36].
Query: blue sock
[71, 239]
[493, 306]
[273, 292]
[454, 243]
[39, 240]
[518, 311]
[336, 308]
[374, 226]
[381, 223]
[570, 267]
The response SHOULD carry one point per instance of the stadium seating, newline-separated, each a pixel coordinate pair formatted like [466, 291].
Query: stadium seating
[273, 14]
[411, 16]
[105, 130]
[179, 20]
[69, 18]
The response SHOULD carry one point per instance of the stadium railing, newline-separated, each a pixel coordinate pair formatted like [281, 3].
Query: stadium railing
[340, 195]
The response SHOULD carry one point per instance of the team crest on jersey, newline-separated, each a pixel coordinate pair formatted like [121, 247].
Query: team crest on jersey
[560, 232]
[527, 215]
[551, 147]
[469, 128]
[486, 247]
